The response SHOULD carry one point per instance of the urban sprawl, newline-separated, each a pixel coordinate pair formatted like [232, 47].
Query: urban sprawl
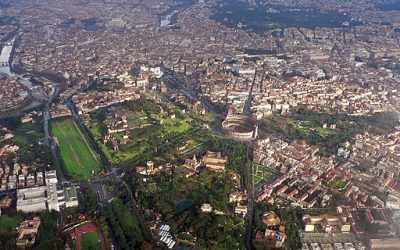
[173, 124]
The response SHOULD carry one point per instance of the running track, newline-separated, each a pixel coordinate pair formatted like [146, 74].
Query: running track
[86, 229]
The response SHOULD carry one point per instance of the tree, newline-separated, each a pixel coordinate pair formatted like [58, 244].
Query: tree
[146, 246]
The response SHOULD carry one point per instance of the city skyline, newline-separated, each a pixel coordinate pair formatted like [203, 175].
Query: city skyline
[199, 124]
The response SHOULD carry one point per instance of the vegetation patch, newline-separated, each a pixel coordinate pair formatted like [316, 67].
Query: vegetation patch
[27, 137]
[90, 240]
[236, 152]
[325, 130]
[9, 223]
[337, 183]
[261, 174]
[78, 157]
[124, 223]
[183, 205]
[264, 17]
[154, 130]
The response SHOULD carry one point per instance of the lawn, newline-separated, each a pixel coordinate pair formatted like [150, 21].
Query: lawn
[78, 157]
[306, 127]
[8, 223]
[337, 183]
[90, 240]
[261, 174]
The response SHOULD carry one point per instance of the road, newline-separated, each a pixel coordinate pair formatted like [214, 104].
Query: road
[250, 196]
[249, 101]
[192, 95]
[115, 174]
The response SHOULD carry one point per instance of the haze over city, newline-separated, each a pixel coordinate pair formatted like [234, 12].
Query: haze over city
[200, 124]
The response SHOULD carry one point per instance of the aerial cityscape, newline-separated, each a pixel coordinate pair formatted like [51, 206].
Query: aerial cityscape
[200, 124]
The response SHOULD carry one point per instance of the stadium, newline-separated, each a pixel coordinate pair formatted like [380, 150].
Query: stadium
[240, 127]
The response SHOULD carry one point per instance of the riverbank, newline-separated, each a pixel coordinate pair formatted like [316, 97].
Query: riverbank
[32, 101]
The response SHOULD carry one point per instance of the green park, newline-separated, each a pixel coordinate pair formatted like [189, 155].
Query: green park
[261, 174]
[156, 130]
[78, 157]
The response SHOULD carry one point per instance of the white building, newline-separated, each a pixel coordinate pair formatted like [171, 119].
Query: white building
[31, 199]
[206, 208]
[239, 209]
[393, 202]
[51, 177]
[52, 198]
[70, 197]
[155, 71]
[48, 197]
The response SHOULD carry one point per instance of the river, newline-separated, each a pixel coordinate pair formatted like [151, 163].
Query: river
[5, 57]
[5, 69]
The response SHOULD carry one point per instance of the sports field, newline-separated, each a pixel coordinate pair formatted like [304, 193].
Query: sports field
[88, 237]
[90, 240]
[78, 157]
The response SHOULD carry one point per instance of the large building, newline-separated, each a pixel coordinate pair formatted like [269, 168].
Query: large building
[393, 202]
[240, 127]
[38, 199]
[329, 223]
[31, 199]
[385, 244]
[215, 161]
[46, 198]
[49, 197]
[70, 197]
[51, 177]
[27, 231]
[271, 238]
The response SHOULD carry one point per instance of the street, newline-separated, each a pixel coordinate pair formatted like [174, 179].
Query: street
[250, 197]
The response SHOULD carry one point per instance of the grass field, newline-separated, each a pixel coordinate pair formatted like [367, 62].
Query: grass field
[8, 223]
[261, 174]
[337, 183]
[90, 240]
[78, 157]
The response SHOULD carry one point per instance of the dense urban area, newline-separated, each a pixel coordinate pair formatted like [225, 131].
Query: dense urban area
[200, 124]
